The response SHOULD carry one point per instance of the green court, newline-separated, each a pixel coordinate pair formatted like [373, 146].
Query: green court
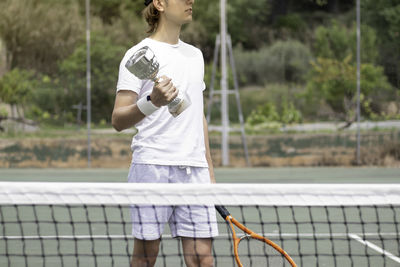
[223, 175]
[370, 236]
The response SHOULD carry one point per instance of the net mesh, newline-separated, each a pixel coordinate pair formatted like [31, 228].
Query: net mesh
[78, 224]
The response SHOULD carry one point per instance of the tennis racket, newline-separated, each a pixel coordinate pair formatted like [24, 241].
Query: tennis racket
[275, 254]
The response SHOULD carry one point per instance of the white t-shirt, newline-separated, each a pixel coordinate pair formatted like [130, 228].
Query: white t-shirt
[161, 138]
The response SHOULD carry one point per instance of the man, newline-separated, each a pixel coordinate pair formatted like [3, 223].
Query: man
[168, 149]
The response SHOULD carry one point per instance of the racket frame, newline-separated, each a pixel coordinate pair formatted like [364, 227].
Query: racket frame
[249, 234]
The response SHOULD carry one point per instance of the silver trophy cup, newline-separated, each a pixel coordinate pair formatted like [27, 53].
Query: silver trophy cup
[143, 64]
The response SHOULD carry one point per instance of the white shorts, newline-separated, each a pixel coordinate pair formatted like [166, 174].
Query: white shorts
[148, 222]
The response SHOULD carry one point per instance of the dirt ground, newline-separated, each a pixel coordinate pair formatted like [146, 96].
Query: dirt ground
[274, 151]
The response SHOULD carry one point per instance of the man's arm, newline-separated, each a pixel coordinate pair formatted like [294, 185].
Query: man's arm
[208, 153]
[126, 112]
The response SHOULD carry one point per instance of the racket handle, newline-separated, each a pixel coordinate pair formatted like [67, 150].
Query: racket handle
[222, 211]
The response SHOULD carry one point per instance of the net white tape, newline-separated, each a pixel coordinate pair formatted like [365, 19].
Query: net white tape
[189, 194]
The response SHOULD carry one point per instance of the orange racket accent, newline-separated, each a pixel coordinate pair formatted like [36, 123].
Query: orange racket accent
[232, 221]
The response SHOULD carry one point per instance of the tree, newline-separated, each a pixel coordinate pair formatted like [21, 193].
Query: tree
[333, 82]
[36, 38]
[338, 42]
[384, 16]
[105, 65]
[111, 10]
[247, 22]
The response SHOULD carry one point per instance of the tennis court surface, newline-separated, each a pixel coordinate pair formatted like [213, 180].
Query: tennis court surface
[317, 224]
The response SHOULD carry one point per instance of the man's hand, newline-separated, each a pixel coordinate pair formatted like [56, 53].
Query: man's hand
[163, 92]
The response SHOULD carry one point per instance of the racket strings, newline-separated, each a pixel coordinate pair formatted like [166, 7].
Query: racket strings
[253, 252]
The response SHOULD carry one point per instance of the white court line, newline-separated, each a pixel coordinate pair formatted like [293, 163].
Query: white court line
[355, 236]
[375, 247]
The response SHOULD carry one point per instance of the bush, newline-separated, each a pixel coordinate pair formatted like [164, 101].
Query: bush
[3, 112]
[53, 98]
[286, 99]
[284, 61]
[265, 113]
[290, 114]
[268, 113]
[16, 86]
[50, 103]
[264, 127]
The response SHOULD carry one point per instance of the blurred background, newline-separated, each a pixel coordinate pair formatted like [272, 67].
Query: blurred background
[295, 65]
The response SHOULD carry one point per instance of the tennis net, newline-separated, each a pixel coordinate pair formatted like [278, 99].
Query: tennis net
[89, 224]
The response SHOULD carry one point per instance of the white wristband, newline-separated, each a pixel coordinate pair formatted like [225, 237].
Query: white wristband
[146, 106]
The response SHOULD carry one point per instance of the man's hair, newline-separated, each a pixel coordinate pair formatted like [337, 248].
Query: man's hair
[152, 17]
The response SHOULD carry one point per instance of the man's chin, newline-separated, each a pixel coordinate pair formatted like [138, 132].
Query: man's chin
[188, 20]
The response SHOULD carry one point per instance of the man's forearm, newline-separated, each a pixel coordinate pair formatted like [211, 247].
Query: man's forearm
[126, 117]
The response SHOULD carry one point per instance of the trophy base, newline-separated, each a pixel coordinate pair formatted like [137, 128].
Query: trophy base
[178, 108]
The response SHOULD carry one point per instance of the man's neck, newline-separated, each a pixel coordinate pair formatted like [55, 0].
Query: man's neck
[167, 33]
